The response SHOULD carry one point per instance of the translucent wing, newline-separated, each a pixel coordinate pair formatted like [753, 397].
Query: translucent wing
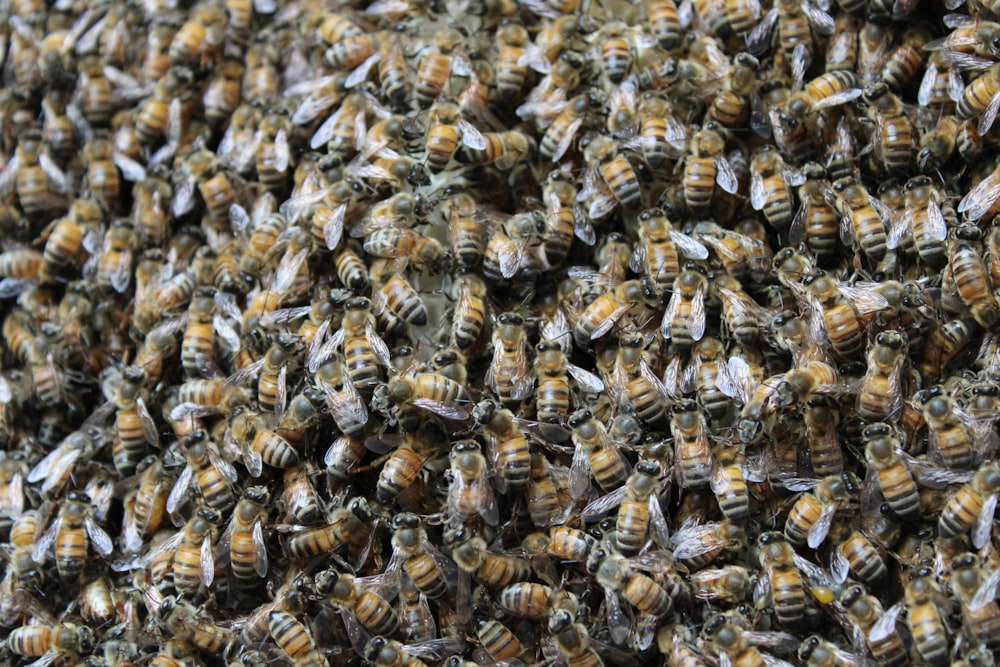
[98, 538]
[819, 530]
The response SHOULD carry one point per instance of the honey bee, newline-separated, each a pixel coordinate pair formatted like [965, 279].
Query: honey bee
[572, 640]
[971, 507]
[470, 493]
[740, 252]
[684, 319]
[729, 482]
[346, 527]
[472, 556]
[888, 470]
[433, 573]
[771, 183]
[707, 167]
[620, 577]
[640, 516]
[197, 41]
[49, 638]
[55, 470]
[526, 600]
[780, 582]
[205, 471]
[866, 613]
[795, 24]
[612, 308]
[509, 376]
[243, 541]
[950, 438]
[730, 583]
[609, 180]
[161, 116]
[430, 392]
[549, 503]
[974, 591]
[740, 646]
[73, 534]
[553, 370]
[811, 517]
[503, 149]
[923, 598]
[294, 639]
[145, 509]
[980, 99]
[656, 255]
[595, 454]
[37, 180]
[362, 610]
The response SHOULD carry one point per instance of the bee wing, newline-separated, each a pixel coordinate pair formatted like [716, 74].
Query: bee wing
[725, 176]
[840, 567]
[48, 538]
[251, 459]
[758, 192]
[55, 465]
[61, 183]
[761, 595]
[207, 562]
[865, 297]
[179, 494]
[583, 227]
[693, 540]
[659, 530]
[926, 90]
[735, 380]
[471, 136]
[618, 623]
[603, 505]
[579, 474]
[987, 591]
[8, 177]
[899, 229]
[587, 381]
[131, 170]
[673, 306]
[446, 410]
[956, 85]
[567, 139]
[379, 347]
[984, 522]
[333, 228]
[759, 38]
[819, 530]
[260, 564]
[981, 198]
[282, 155]
[638, 259]
[886, 625]
[691, 247]
[98, 538]
[989, 115]
[609, 322]
[697, 321]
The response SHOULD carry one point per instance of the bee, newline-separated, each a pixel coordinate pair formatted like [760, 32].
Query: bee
[619, 577]
[887, 467]
[161, 115]
[49, 638]
[526, 600]
[664, 23]
[780, 582]
[743, 251]
[37, 180]
[134, 425]
[612, 307]
[795, 23]
[211, 475]
[878, 626]
[196, 43]
[508, 375]
[729, 482]
[560, 134]
[731, 107]
[55, 470]
[552, 399]
[432, 392]
[730, 583]
[640, 516]
[497, 640]
[73, 534]
[707, 167]
[971, 507]
[692, 451]
[609, 180]
[893, 137]
[294, 640]
[243, 541]
[923, 597]
[656, 255]
[979, 611]
[949, 437]
[202, 172]
[471, 555]
[572, 640]
[595, 454]
[504, 149]
[684, 319]
[433, 573]
[145, 509]
[811, 517]
[13, 471]
[635, 387]
[836, 308]
[345, 528]
[470, 493]
[469, 317]
[740, 646]
[548, 502]
[979, 99]
[771, 183]
[45, 376]
[357, 605]
[467, 235]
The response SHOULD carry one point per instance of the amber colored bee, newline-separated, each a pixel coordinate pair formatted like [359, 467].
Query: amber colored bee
[36, 179]
[345, 528]
[979, 617]
[770, 187]
[610, 178]
[73, 534]
[512, 457]
[207, 472]
[247, 549]
[526, 599]
[596, 455]
[51, 639]
[471, 554]
[433, 573]
[294, 640]
[684, 319]
[159, 116]
[656, 254]
[356, 604]
[784, 582]
[978, 99]
[619, 577]
[707, 167]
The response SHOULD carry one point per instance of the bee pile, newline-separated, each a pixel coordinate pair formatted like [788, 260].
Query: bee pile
[574, 332]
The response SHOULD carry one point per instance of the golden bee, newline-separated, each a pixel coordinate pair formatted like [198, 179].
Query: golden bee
[72, 535]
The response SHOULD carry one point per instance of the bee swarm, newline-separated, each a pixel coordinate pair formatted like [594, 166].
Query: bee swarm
[493, 331]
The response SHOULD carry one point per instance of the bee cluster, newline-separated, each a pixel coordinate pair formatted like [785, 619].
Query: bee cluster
[498, 331]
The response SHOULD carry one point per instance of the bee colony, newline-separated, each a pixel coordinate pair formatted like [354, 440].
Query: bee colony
[490, 331]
